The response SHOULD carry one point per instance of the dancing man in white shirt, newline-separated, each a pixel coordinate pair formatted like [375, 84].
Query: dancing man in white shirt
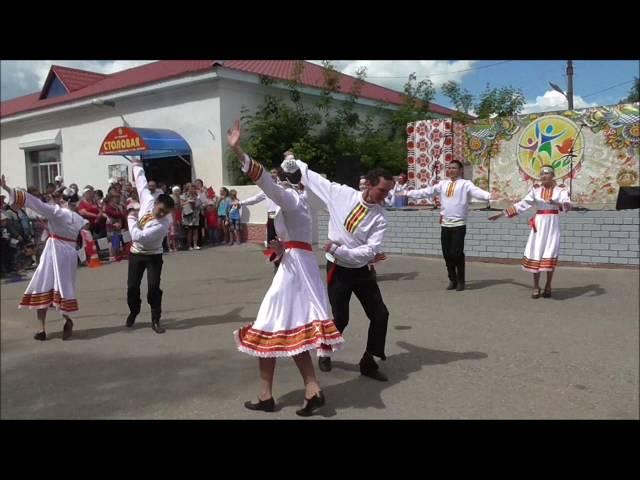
[455, 195]
[356, 230]
[147, 228]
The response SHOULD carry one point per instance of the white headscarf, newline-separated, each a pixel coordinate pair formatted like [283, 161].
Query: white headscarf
[289, 165]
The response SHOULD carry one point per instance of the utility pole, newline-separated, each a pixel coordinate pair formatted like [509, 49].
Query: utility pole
[570, 84]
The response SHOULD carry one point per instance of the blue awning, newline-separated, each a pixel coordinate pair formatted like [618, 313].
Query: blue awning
[145, 142]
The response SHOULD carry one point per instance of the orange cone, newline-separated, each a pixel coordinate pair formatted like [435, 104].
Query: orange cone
[91, 250]
[94, 261]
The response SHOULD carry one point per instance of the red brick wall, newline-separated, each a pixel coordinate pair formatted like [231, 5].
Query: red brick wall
[254, 232]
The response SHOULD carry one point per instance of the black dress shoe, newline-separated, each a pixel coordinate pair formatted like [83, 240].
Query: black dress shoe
[156, 327]
[67, 330]
[313, 405]
[369, 368]
[262, 405]
[460, 287]
[452, 285]
[131, 319]
[40, 336]
[373, 373]
[324, 363]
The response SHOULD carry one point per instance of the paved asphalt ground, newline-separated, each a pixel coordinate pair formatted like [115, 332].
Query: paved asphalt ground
[490, 352]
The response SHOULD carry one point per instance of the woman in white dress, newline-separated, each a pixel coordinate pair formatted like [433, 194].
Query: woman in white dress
[53, 282]
[295, 315]
[543, 246]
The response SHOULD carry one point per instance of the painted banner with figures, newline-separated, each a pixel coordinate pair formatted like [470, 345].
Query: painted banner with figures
[594, 152]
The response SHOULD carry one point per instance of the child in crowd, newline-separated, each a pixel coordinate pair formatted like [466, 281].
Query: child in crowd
[235, 214]
[211, 220]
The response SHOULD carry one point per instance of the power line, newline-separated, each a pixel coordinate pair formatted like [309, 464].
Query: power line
[609, 88]
[447, 73]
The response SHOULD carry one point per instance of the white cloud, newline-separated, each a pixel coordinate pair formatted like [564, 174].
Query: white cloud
[552, 100]
[438, 71]
[22, 77]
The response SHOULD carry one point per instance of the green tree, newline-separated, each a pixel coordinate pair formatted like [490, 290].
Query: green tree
[503, 102]
[273, 127]
[460, 97]
[634, 93]
[329, 131]
[337, 138]
[385, 145]
[417, 98]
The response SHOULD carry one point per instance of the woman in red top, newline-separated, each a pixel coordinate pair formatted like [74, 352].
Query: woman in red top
[116, 217]
[89, 209]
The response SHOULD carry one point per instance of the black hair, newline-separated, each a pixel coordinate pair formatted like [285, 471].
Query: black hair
[457, 162]
[294, 177]
[71, 198]
[373, 176]
[166, 200]
[99, 193]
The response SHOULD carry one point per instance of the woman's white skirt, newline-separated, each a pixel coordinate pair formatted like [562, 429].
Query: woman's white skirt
[543, 246]
[295, 314]
[53, 282]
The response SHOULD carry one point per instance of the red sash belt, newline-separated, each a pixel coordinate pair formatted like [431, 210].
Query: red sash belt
[57, 237]
[300, 245]
[532, 220]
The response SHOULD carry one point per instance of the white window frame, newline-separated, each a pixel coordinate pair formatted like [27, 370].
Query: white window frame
[30, 165]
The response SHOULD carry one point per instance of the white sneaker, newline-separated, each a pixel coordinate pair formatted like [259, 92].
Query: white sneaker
[196, 247]
[190, 248]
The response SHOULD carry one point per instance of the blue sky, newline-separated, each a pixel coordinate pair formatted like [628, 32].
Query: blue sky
[530, 76]
[24, 77]
[533, 77]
